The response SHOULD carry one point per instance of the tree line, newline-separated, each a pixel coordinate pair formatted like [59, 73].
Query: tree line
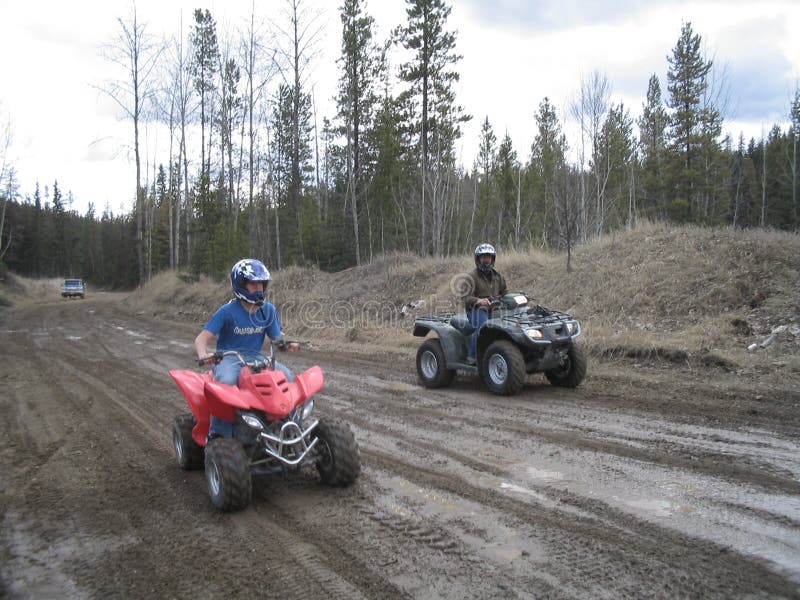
[254, 170]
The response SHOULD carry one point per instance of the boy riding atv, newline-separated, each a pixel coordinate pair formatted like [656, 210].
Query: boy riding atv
[242, 325]
[252, 417]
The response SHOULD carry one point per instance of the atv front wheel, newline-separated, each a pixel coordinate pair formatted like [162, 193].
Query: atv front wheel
[338, 461]
[431, 365]
[228, 474]
[571, 371]
[503, 368]
[187, 451]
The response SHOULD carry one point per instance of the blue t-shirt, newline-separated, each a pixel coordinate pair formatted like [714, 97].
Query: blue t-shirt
[237, 329]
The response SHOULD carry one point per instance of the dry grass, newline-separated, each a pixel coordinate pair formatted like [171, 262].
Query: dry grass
[673, 292]
[166, 295]
[670, 292]
[17, 290]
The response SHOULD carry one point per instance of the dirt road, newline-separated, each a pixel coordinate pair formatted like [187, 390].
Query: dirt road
[648, 481]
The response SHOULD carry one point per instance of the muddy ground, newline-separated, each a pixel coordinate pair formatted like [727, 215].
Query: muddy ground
[652, 479]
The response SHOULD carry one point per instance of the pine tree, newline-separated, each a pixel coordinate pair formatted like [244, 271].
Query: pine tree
[692, 122]
[547, 167]
[431, 77]
[231, 117]
[506, 181]
[357, 101]
[615, 156]
[395, 163]
[653, 146]
[488, 213]
[204, 65]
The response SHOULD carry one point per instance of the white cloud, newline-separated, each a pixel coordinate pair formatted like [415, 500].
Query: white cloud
[515, 52]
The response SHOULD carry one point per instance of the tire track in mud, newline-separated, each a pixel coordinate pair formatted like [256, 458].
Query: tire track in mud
[682, 456]
[309, 538]
[616, 552]
[423, 420]
[413, 556]
[697, 396]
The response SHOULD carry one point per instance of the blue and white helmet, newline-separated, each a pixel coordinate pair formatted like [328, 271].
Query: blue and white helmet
[483, 250]
[249, 269]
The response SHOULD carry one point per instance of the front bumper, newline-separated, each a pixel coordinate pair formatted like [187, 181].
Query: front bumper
[289, 448]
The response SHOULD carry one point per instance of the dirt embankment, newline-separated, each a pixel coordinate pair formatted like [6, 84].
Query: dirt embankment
[675, 294]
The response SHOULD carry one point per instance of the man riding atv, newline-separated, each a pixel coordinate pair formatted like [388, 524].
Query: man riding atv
[484, 283]
[503, 336]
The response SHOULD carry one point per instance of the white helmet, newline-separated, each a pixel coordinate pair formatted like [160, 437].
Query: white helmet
[484, 250]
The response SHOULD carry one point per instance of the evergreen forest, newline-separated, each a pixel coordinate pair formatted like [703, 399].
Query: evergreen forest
[254, 170]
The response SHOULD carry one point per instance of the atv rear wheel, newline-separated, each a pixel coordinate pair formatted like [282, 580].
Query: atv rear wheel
[572, 369]
[228, 474]
[338, 461]
[187, 451]
[431, 365]
[503, 368]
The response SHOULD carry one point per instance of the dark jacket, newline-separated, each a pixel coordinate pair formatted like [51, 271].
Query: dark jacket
[483, 285]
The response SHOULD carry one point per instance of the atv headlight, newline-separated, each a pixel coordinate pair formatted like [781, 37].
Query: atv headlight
[252, 421]
[307, 409]
[571, 327]
[534, 334]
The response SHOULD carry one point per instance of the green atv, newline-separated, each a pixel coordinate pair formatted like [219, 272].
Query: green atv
[519, 337]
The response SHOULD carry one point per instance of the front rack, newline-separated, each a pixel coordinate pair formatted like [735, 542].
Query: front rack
[535, 315]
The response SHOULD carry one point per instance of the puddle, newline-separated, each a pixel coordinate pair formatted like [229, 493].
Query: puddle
[511, 487]
[542, 474]
[135, 333]
[658, 508]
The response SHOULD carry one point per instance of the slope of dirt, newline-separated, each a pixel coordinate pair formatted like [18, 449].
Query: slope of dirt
[660, 293]
[658, 477]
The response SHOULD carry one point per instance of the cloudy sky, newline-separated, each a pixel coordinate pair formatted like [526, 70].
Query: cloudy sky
[515, 52]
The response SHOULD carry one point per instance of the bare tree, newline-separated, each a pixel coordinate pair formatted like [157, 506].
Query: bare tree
[173, 107]
[258, 62]
[137, 53]
[7, 179]
[231, 115]
[182, 93]
[589, 109]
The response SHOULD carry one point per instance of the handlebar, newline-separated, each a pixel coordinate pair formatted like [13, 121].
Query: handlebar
[496, 302]
[254, 364]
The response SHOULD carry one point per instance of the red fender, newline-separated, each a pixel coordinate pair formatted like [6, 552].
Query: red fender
[192, 386]
[224, 400]
[310, 382]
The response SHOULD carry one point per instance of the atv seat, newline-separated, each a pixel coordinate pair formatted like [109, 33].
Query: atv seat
[462, 324]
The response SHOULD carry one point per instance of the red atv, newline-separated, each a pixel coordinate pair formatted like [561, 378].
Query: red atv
[274, 431]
